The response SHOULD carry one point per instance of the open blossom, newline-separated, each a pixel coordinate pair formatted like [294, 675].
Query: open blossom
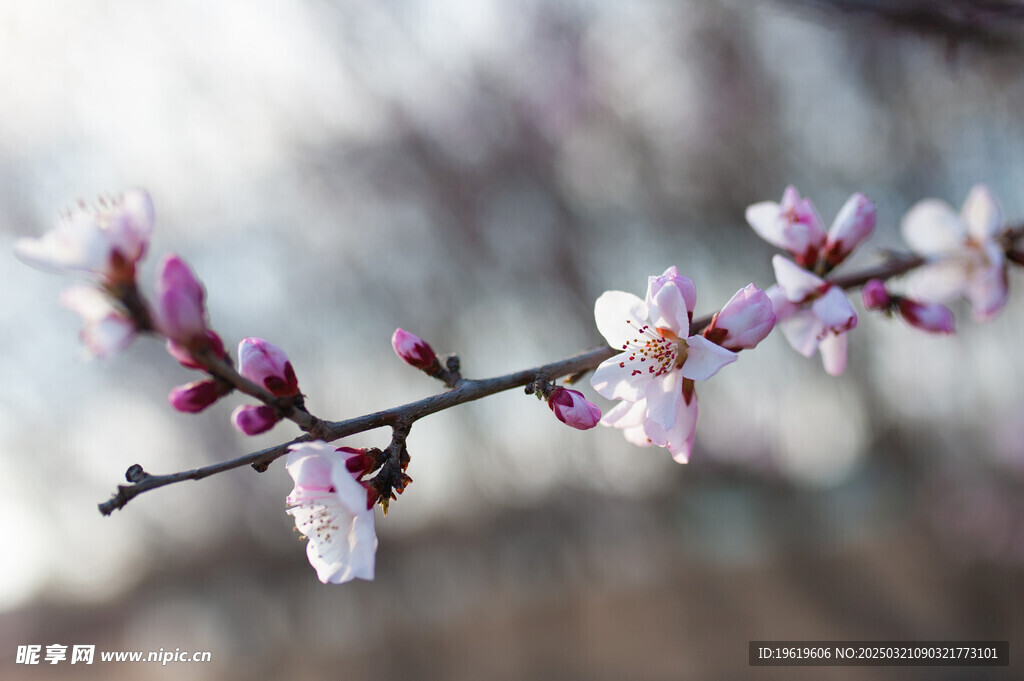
[813, 314]
[105, 328]
[963, 252]
[573, 409]
[794, 225]
[106, 241]
[931, 317]
[331, 509]
[659, 362]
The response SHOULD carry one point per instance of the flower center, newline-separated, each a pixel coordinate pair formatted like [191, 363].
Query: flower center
[660, 350]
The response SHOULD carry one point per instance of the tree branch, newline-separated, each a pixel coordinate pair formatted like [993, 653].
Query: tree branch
[401, 418]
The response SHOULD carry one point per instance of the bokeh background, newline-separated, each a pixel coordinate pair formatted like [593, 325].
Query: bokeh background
[478, 172]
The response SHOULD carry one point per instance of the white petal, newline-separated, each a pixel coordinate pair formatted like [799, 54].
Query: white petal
[109, 335]
[833, 353]
[679, 438]
[637, 436]
[618, 315]
[781, 305]
[625, 414]
[834, 310]
[803, 331]
[619, 379]
[796, 282]
[982, 214]
[704, 359]
[663, 396]
[932, 227]
[77, 243]
[668, 310]
[940, 281]
[764, 218]
[988, 291]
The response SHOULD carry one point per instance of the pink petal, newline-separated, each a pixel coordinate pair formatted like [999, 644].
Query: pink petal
[932, 227]
[834, 310]
[668, 310]
[618, 315]
[704, 359]
[412, 349]
[573, 409]
[853, 224]
[874, 295]
[684, 284]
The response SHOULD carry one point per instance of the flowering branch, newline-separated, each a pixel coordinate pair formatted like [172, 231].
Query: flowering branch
[656, 352]
[465, 390]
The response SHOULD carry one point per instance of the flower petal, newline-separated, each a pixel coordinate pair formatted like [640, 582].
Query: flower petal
[833, 353]
[988, 289]
[932, 227]
[618, 378]
[668, 310]
[704, 359]
[982, 214]
[625, 414]
[939, 281]
[679, 438]
[618, 314]
[796, 282]
[804, 331]
[663, 396]
[834, 310]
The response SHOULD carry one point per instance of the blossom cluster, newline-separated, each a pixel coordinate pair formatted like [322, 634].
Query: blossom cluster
[661, 356]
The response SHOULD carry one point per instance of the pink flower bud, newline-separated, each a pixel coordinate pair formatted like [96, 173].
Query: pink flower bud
[181, 315]
[572, 409]
[266, 364]
[875, 296]
[253, 419]
[413, 350]
[853, 224]
[931, 317]
[196, 396]
[744, 322]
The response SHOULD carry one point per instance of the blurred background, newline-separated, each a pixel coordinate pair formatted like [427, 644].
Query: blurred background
[478, 172]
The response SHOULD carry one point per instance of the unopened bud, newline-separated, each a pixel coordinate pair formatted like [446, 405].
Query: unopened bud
[413, 350]
[572, 409]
